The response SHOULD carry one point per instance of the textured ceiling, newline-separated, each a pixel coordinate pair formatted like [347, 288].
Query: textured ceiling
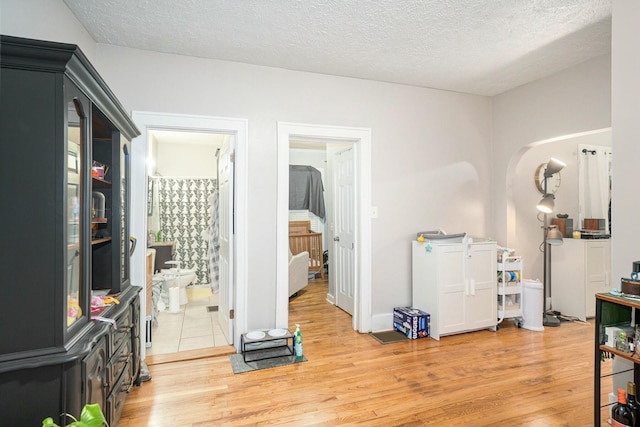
[482, 47]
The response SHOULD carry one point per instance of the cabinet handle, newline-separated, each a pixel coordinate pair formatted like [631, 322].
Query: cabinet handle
[126, 387]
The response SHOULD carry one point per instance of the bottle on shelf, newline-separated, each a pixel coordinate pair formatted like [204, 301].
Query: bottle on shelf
[633, 404]
[621, 415]
[297, 342]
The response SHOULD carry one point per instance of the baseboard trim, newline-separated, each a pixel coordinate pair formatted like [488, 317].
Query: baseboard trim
[382, 322]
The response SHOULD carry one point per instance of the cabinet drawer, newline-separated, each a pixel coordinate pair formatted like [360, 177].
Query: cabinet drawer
[115, 401]
[120, 361]
[122, 332]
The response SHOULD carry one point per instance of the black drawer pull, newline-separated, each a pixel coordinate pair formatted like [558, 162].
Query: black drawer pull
[126, 387]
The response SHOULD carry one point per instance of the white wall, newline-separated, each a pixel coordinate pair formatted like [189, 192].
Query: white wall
[46, 20]
[311, 157]
[626, 137]
[186, 160]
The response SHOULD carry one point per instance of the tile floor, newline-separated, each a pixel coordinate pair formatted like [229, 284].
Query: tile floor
[192, 328]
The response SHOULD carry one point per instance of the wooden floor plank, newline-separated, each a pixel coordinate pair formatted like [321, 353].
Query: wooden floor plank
[510, 377]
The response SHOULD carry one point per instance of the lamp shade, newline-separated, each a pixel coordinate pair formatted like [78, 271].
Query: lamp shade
[546, 204]
[553, 166]
[554, 236]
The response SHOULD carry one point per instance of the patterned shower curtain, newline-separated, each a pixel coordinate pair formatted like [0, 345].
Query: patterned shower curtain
[184, 209]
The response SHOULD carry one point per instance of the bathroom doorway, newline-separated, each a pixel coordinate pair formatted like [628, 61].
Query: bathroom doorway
[182, 225]
[168, 129]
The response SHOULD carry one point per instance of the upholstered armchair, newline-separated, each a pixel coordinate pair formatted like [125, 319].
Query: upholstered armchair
[298, 271]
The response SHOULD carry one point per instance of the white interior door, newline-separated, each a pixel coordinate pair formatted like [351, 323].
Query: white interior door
[344, 239]
[225, 218]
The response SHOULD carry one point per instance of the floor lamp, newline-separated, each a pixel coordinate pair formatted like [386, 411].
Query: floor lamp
[551, 237]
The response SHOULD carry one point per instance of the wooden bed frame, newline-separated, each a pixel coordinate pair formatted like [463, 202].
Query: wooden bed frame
[302, 239]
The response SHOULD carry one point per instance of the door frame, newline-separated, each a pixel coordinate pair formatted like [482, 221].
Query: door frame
[361, 140]
[238, 127]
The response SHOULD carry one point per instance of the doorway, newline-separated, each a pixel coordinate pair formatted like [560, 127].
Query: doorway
[360, 139]
[187, 222]
[148, 122]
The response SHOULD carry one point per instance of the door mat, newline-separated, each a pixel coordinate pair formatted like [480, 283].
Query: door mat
[239, 366]
[386, 337]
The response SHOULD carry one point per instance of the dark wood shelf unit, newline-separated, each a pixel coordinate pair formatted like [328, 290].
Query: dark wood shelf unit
[58, 113]
[611, 310]
[100, 183]
[99, 241]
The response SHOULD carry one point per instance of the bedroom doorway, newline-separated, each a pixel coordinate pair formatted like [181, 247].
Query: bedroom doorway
[359, 139]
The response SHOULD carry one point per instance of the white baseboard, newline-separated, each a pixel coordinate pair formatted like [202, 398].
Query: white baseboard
[382, 322]
[331, 299]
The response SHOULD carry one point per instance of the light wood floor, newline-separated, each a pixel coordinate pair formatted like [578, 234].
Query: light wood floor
[512, 377]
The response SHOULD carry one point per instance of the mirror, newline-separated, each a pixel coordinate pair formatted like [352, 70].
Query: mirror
[594, 184]
[569, 197]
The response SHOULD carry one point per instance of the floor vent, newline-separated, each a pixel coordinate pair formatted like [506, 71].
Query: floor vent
[212, 308]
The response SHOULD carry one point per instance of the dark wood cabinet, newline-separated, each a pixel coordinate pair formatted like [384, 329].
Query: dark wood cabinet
[95, 373]
[65, 168]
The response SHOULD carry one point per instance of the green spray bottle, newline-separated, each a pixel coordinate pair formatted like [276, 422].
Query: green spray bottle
[297, 342]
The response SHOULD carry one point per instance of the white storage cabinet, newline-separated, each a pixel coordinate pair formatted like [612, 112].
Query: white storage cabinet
[456, 284]
[580, 268]
[510, 288]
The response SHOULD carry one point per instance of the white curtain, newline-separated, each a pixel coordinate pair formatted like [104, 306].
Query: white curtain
[595, 176]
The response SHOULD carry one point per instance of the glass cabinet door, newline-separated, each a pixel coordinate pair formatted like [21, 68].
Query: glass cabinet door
[75, 195]
[126, 245]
